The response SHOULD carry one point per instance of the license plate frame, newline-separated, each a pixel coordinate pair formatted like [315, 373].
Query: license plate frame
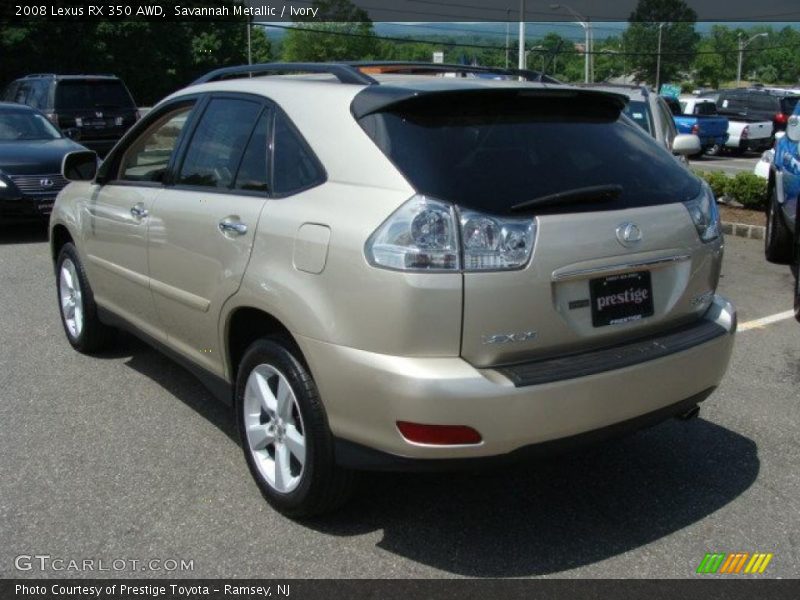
[621, 298]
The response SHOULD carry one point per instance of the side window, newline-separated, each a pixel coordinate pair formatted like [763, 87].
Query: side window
[38, 96]
[10, 92]
[218, 143]
[253, 175]
[21, 96]
[296, 168]
[146, 159]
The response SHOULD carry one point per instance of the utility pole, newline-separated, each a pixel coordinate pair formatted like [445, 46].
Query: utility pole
[587, 47]
[742, 46]
[658, 59]
[508, 25]
[521, 56]
[249, 45]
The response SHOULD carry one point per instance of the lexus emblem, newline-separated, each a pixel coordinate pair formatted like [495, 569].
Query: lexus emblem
[46, 182]
[629, 234]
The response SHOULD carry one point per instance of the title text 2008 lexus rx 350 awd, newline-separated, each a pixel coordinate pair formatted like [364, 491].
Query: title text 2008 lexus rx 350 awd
[400, 271]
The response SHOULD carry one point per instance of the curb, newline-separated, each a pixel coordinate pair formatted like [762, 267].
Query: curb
[753, 232]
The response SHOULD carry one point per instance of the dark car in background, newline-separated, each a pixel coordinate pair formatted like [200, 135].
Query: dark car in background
[31, 152]
[753, 104]
[99, 106]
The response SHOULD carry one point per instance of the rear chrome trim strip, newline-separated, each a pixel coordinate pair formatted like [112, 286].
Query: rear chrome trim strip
[563, 275]
[616, 357]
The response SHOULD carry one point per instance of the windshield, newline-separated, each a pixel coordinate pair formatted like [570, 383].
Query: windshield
[88, 94]
[25, 125]
[640, 113]
[491, 152]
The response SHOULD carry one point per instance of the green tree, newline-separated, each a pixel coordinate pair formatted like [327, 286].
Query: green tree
[346, 35]
[678, 38]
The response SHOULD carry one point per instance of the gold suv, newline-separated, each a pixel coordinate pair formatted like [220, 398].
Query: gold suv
[399, 271]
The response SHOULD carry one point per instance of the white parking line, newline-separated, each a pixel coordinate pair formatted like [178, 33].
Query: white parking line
[763, 321]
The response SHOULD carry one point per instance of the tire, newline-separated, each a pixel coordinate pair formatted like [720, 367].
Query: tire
[777, 237]
[714, 150]
[797, 292]
[76, 304]
[287, 444]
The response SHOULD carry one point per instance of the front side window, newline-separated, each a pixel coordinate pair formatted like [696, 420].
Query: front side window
[148, 156]
[218, 143]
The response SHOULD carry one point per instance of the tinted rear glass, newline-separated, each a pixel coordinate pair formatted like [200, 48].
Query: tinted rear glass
[492, 151]
[639, 113]
[92, 94]
[788, 104]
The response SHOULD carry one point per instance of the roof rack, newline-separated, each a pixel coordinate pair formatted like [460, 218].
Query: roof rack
[343, 72]
[358, 72]
[425, 67]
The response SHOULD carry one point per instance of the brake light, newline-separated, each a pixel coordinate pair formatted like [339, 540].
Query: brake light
[439, 435]
[695, 129]
[705, 214]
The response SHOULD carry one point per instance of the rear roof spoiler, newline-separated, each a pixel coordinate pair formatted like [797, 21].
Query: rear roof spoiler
[381, 97]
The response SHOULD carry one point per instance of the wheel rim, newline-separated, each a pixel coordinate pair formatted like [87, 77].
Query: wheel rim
[71, 298]
[274, 427]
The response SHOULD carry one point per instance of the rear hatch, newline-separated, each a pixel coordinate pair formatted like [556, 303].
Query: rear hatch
[101, 108]
[620, 258]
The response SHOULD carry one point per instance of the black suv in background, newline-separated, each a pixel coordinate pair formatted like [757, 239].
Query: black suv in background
[758, 105]
[100, 107]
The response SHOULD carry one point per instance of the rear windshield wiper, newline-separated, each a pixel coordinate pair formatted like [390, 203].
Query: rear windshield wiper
[593, 193]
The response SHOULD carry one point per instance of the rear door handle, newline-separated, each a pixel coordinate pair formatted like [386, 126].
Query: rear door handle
[139, 211]
[229, 226]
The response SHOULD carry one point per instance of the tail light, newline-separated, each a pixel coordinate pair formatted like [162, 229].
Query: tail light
[705, 214]
[696, 129]
[780, 118]
[745, 132]
[426, 234]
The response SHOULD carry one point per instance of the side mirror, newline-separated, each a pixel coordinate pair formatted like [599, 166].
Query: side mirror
[73, 133]
[793, 128]
[686, 144]
[79, 166]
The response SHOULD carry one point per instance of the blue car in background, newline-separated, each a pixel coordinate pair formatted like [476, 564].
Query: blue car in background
[782, 239]
[782, 192]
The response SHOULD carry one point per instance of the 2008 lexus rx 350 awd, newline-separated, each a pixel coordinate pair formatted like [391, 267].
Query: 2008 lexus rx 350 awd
[400, 271]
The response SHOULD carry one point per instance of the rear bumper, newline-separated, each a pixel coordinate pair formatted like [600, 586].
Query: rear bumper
[365, 394]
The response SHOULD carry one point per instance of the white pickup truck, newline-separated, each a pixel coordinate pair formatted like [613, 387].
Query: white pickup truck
[742, 135]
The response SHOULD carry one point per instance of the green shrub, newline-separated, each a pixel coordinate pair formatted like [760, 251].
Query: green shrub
[747, 188]
[717, 180]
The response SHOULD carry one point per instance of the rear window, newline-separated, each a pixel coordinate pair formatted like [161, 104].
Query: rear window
[490, 151]
[91, 94]
[788, 104]
[639, 113]
[705, 108]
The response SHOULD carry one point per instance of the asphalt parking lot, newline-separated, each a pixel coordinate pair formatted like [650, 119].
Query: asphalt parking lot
[730, 165]
[126, 456]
